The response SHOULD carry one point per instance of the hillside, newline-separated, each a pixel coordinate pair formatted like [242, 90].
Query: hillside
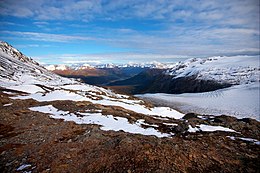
[54, 124]
[196, 75]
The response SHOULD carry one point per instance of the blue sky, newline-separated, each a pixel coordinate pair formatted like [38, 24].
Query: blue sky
[119, 31]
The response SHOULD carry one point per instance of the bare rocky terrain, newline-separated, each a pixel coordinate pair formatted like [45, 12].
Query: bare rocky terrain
[42, 144]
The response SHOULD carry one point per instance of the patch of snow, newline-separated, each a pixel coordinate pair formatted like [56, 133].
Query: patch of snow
[26, 88]
[7, 92]
[193, 129]
[170, 124]
[80, 87]
[208, 128]
[54, 95]
[255, 141]
[108, 122]
[142, 122]
[9, 104]
[23, 166]
[159, 111]
[202, 117]
[49, 109]
[132, 105]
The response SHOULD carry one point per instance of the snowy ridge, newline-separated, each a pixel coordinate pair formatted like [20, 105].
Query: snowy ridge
[233, 70]
[17, 69]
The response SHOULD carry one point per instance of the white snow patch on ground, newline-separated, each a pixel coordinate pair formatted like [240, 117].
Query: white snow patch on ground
[54, 95]
[108, 122]
[8, 104]
[241, 101]
[170, 124]
[255, 141]
[132, 105]
[9, 93]
[26, 88]
[193, 129]
[22, 167]
[208, 128]
[79, 87]
[159, 111]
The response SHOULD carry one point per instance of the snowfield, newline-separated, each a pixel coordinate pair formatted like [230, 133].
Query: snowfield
[241, 101]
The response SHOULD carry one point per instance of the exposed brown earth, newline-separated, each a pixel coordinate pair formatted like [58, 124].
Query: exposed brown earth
[51, 145]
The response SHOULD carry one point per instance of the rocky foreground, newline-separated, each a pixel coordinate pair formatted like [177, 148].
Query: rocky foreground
[31, 141]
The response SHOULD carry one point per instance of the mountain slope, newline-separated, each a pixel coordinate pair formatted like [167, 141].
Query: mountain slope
[196, 75]
[20, 73]
[232, 70]
[17, 69]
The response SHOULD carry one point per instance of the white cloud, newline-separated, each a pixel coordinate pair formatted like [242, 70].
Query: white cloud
[46, 37]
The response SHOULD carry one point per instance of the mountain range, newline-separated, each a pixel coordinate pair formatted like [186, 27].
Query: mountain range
[189, 76]
[50, 123]
[195, 75]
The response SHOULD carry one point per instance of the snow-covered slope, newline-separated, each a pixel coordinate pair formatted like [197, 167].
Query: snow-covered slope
[241, 101]
[17, 69]
[20, 73]
[233, 70]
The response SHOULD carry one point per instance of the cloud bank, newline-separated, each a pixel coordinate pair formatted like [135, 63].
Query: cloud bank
[159, 27]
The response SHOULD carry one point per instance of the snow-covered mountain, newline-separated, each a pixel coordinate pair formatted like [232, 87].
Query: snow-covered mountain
[241, 100]
[232, 70]
[196, 75]
[17, 69]
[152, 65]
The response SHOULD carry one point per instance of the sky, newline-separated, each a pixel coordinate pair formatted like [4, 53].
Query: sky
[121, 31]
